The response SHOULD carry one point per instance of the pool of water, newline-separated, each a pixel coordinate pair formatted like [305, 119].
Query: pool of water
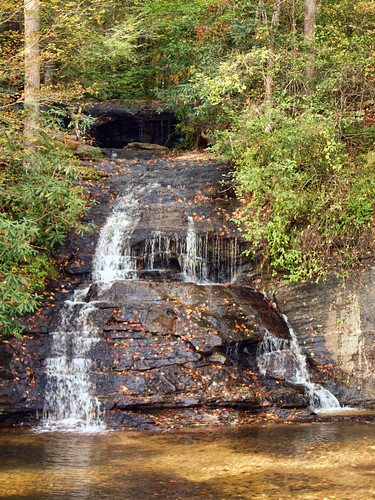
[300, 461]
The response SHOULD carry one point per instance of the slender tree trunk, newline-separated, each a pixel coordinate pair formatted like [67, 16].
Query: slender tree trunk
[32, 71]
[268, 80]
[260, 12]
[49, 69]
[309, 34]
[268, 84]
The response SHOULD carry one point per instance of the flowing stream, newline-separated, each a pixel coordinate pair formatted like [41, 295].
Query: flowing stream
[68, 401]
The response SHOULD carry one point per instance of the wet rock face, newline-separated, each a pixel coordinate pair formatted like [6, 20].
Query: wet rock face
[166, 342]
[165, 345]
[167, 201]
[162, 345]
[335, 326]
[22, 378]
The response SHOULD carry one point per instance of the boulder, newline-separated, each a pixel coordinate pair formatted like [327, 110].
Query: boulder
[86, 151]
[146, 146]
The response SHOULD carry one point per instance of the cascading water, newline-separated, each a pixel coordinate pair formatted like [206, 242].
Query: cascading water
[68, 403]
[113, 256]
[283, 359]
[194, 260]
[201, 258]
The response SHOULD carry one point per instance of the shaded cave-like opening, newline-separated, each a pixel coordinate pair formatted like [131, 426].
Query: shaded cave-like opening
[116, 128]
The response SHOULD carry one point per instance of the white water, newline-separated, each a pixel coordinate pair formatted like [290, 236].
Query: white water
[202, 259]
[116, 257]
[69, 404]
[194, 259]
[113, 256]
[283, 359]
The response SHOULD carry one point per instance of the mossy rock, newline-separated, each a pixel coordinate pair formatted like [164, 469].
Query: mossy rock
[87, 151]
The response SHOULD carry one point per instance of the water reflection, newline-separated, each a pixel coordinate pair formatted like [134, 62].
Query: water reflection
[70, 463]
[314, 461]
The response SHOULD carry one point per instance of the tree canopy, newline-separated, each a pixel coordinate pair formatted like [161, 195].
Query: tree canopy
[282, 88]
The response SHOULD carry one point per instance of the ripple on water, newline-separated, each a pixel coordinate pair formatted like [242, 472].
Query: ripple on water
[303, 461]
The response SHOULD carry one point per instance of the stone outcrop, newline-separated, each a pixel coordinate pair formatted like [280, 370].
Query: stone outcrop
[334, 321]
[87, 151]
[168, 346]
[161, 346]
[146, 146]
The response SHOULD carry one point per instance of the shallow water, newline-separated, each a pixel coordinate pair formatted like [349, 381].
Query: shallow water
[303, 461]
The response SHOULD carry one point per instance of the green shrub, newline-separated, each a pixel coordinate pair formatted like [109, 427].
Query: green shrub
[304, 201]
[40, 202]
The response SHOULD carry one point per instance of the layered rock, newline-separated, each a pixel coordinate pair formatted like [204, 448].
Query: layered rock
[168, 346]
[334, 321]
[163, 345]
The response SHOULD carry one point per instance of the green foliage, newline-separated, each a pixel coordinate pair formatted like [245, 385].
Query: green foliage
[212, 98]
[303, 199]
[41, 268]
[57, 117]
[303, 161]
[40, 202]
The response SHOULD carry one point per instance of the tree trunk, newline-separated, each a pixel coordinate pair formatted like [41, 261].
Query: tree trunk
[32, 71]
[268, 80]
[49, 69]
[309, 34]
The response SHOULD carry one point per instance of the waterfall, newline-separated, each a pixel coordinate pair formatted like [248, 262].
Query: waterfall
[129, 245]
[283, 359]
[194, 259]
[68, 402]
[202, 258]
[113, 256]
